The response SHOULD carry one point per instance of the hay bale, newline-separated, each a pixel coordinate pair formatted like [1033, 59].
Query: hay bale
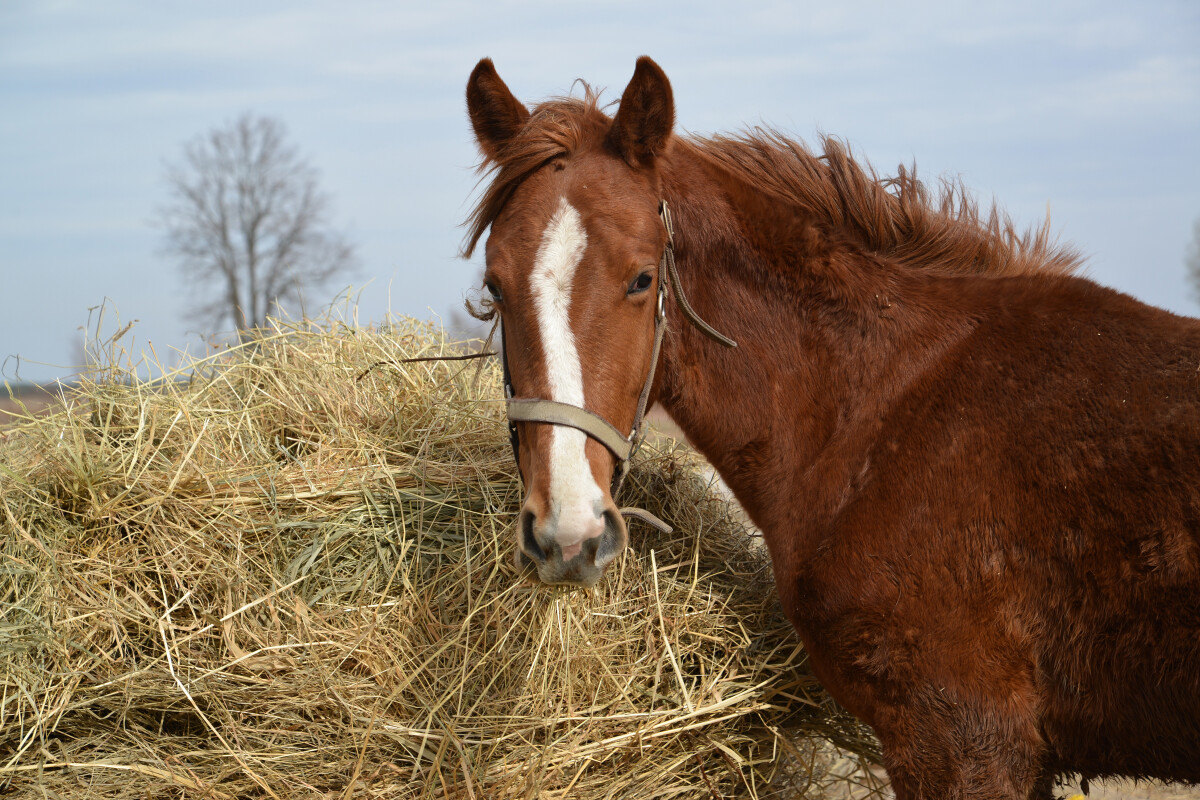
[286, 571]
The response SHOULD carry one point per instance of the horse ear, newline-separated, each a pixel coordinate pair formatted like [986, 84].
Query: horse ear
[496, 114]
[646, 115]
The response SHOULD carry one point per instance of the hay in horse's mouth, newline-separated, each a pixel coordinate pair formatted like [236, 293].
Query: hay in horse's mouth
[273, 579]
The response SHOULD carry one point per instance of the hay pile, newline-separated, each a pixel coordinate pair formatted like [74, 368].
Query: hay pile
[289, 575]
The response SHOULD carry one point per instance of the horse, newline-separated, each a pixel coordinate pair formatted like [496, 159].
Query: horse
[977, 473]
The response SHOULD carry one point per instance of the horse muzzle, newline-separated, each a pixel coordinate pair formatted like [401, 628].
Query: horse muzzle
[571, 552]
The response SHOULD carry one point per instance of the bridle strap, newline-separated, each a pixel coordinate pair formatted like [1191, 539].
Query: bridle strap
[556, 413]
[622, 447]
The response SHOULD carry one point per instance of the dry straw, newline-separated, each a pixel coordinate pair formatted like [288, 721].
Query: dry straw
[285, 571]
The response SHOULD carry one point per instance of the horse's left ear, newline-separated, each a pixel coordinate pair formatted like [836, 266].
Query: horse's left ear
[645, 117]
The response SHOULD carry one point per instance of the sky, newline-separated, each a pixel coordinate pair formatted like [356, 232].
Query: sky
[1089, 110]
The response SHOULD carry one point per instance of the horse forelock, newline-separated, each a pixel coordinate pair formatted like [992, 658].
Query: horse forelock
[558, 128]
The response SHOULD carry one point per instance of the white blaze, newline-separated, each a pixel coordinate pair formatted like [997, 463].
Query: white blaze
[575, 499]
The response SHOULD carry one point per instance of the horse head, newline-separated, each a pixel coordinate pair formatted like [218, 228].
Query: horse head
[574, 253]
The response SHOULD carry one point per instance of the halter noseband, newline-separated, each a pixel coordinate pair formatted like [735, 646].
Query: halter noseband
[621, 446]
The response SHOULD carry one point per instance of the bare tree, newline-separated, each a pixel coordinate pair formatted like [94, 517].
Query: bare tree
[1191, 261]
[249, 224]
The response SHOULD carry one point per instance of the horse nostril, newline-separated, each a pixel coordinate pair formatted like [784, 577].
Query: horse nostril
[529, 543]
[613, 540]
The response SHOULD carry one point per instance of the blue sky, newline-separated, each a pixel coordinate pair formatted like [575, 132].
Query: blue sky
[1090, 109]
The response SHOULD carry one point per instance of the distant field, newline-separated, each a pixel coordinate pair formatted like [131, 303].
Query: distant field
[34, 397]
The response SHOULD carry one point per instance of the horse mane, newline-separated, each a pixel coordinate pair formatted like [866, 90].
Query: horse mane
[898, 217]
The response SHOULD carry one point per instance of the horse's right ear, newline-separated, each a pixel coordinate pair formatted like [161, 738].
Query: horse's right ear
[496, 114]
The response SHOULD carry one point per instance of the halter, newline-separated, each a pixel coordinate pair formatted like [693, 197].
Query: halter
[621, 446]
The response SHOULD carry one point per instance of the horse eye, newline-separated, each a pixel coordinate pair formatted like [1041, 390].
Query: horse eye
[641, 283]
[493, 291]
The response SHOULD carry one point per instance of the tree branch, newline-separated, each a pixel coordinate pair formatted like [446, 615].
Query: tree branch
[247, 219]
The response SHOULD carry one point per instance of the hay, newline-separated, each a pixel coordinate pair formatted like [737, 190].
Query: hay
[285, 571]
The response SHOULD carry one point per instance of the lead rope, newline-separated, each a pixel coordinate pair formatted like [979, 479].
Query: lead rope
[622, 447]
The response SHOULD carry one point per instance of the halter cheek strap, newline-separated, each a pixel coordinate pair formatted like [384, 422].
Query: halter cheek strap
[621, 446]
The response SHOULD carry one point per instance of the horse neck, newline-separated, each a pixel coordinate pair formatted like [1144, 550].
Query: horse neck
[827, 336]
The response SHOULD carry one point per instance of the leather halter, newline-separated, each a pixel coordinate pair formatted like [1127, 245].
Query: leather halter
[621, 446]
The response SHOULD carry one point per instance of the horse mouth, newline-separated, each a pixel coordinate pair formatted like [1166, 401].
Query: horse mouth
[579, 576]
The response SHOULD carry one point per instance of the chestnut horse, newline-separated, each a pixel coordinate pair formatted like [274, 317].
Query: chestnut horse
[977, 474]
